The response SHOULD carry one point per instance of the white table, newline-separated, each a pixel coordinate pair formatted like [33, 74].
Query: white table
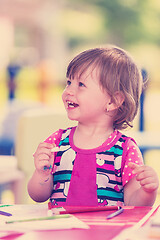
[11, 177]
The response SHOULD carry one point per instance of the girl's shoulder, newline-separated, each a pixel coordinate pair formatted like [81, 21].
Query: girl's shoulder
[130, 145]
[55, 137]
[127, 143]
[127, 139]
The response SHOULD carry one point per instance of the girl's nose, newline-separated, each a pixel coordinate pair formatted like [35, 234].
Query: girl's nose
[71, 90]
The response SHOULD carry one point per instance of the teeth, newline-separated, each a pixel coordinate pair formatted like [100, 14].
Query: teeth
[72, 104]
[69, 103]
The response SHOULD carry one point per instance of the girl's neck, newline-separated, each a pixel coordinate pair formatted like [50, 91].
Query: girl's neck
[89, 137]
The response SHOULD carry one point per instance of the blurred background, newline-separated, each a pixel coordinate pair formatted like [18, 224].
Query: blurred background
[40, 37]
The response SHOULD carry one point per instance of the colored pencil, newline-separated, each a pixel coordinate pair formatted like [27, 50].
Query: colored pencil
[81, 209]
[39, 219]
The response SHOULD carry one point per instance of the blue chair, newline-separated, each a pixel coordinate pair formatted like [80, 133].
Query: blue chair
[146, 140]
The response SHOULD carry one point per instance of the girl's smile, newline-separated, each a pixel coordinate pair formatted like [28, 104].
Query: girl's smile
[71, 105]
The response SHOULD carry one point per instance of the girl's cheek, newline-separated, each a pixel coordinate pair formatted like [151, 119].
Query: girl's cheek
[63, 96]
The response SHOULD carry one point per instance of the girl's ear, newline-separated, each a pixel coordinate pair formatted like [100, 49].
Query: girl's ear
[116, 101]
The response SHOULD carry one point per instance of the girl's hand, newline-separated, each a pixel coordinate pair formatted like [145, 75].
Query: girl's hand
[44, 158]
[146, 176]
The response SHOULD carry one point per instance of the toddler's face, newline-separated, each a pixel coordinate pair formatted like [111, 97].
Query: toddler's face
[84, 99]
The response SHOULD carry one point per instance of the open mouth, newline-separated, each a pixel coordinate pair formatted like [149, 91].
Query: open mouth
[72, 104]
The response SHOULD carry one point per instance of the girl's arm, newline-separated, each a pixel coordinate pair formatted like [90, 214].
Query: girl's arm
[40, 187]
[140, 182]
[141, 190]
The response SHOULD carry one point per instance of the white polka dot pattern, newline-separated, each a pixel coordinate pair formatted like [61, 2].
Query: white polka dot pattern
[133, 155]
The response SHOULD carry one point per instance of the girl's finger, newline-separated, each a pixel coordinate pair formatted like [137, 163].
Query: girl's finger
[51, 161]
[43, 147]
[40, 165]
[47, 167]
[132, 165]
[136, 168]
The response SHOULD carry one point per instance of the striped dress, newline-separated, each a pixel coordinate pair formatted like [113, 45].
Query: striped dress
[92, 177]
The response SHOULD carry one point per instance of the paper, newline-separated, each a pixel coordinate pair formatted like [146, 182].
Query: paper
[21, 212]
[143, 230]
[154, 226]
[155, 220]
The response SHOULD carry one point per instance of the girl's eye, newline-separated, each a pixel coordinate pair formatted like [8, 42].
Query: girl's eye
[68, 82]
[81, 84]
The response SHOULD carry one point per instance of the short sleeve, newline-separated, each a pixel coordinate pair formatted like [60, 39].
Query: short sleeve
[54, 138]
[132, 154]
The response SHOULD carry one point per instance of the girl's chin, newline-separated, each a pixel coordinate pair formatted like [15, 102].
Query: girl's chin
[72, 118]
[72, 115]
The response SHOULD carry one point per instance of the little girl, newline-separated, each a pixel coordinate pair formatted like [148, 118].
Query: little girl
[95, 164]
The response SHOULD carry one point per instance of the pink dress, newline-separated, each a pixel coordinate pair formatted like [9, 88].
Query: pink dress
[92, 177]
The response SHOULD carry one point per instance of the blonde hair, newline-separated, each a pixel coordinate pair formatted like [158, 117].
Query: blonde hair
[117, 72]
